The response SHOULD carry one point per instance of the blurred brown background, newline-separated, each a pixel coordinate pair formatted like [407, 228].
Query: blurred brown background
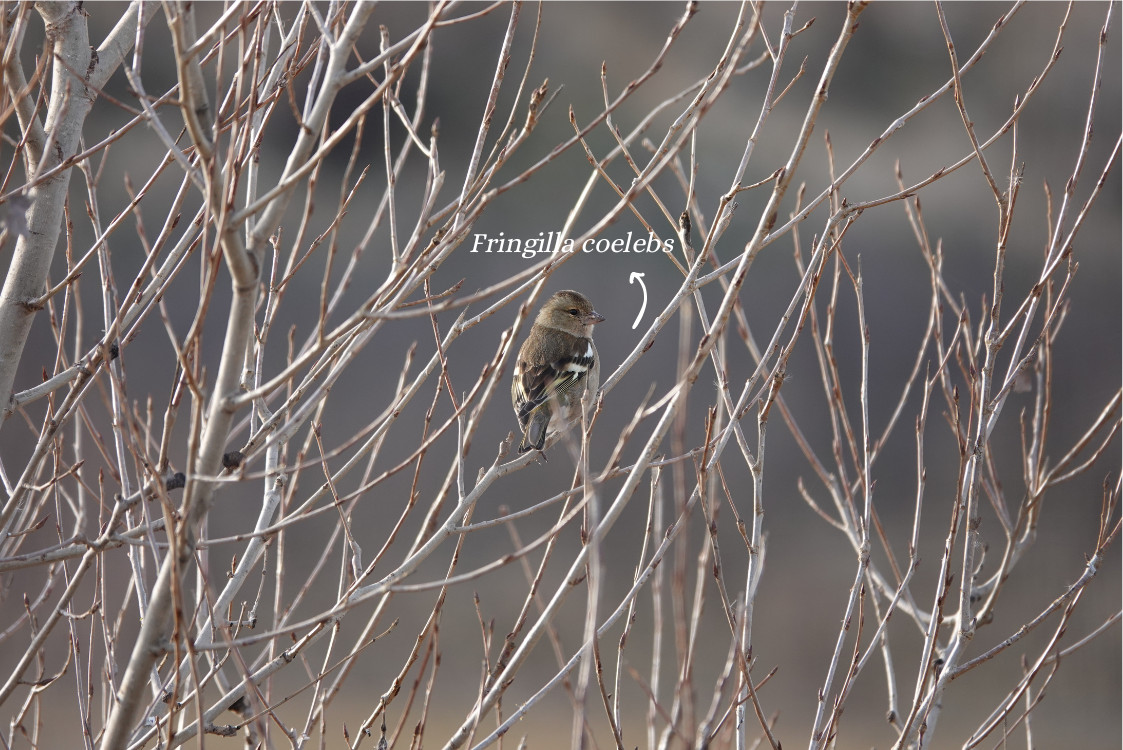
[897, 56]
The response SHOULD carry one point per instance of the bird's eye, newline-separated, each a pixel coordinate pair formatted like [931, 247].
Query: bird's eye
[574, 311]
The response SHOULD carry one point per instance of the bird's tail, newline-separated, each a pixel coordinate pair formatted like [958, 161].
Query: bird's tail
[534, 436]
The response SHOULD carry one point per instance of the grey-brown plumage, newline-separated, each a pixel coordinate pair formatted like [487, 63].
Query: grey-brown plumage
[556, 365]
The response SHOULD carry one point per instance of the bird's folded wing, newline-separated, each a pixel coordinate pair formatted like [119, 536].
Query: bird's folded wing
[536, 384]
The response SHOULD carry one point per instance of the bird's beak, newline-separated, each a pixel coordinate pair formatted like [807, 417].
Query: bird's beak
[593, 317]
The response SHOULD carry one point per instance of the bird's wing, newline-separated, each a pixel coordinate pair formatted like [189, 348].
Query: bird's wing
[536, 384]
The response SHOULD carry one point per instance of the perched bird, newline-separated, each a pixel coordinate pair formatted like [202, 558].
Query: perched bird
[557, 363]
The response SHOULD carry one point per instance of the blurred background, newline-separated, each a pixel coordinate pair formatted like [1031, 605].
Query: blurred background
[897, 56]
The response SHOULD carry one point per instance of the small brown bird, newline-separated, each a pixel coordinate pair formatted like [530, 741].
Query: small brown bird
[556, 365]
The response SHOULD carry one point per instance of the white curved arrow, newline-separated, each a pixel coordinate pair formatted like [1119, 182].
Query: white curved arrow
[633, 278]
